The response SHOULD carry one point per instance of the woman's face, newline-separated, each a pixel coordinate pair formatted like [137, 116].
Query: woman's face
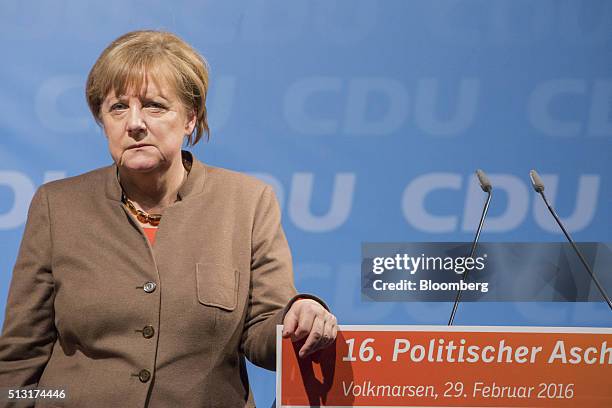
[145, 130]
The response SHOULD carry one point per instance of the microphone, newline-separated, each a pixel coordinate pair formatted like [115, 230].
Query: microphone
[536, 182]
[538, 186]
[486, 186]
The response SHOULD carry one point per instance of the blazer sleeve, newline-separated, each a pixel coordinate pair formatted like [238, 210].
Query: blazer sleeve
[29, 331]
[272, 291]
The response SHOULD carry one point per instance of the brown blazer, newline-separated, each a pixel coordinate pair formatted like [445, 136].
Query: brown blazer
[95, 310]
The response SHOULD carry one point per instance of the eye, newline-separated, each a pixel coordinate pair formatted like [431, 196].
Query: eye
[118, 106]
[156, 106]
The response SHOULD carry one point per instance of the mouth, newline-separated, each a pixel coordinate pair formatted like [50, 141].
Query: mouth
[138, 145]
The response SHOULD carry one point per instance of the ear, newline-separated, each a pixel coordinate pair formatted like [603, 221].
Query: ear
[190, 124]
[102, 128]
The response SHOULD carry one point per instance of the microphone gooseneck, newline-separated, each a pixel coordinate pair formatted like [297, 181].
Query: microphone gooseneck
[486, 186]
[538, 186]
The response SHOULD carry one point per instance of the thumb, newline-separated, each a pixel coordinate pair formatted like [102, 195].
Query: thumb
[289, 323]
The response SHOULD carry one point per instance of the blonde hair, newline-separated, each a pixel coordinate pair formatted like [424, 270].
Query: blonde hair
[124, 64]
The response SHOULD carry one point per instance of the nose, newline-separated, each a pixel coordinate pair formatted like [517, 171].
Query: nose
[136, 125]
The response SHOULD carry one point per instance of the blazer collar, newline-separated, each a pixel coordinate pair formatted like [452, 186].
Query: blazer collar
[192, 186]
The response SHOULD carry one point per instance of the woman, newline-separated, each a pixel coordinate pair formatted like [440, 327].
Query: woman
[147, 282]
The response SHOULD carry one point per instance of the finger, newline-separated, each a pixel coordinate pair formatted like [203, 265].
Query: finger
[314, 338]
[328, 333]
[334, 326]
[305, 320]
[289, 324]
[333, 319]
[331, 329]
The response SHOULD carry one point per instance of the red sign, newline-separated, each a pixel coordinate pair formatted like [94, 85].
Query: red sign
[434, 366]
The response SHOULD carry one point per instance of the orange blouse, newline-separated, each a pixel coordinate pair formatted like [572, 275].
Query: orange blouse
[150, 233]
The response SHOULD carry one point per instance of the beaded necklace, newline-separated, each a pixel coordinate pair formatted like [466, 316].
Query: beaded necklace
[143, 216]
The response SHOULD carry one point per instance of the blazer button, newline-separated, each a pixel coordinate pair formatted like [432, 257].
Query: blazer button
[144, 376]
[149, 287]
[148, 332]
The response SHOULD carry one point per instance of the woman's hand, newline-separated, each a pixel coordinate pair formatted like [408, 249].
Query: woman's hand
[307, 317]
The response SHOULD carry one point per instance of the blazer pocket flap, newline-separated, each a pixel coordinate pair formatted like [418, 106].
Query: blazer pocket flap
[217, 285]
